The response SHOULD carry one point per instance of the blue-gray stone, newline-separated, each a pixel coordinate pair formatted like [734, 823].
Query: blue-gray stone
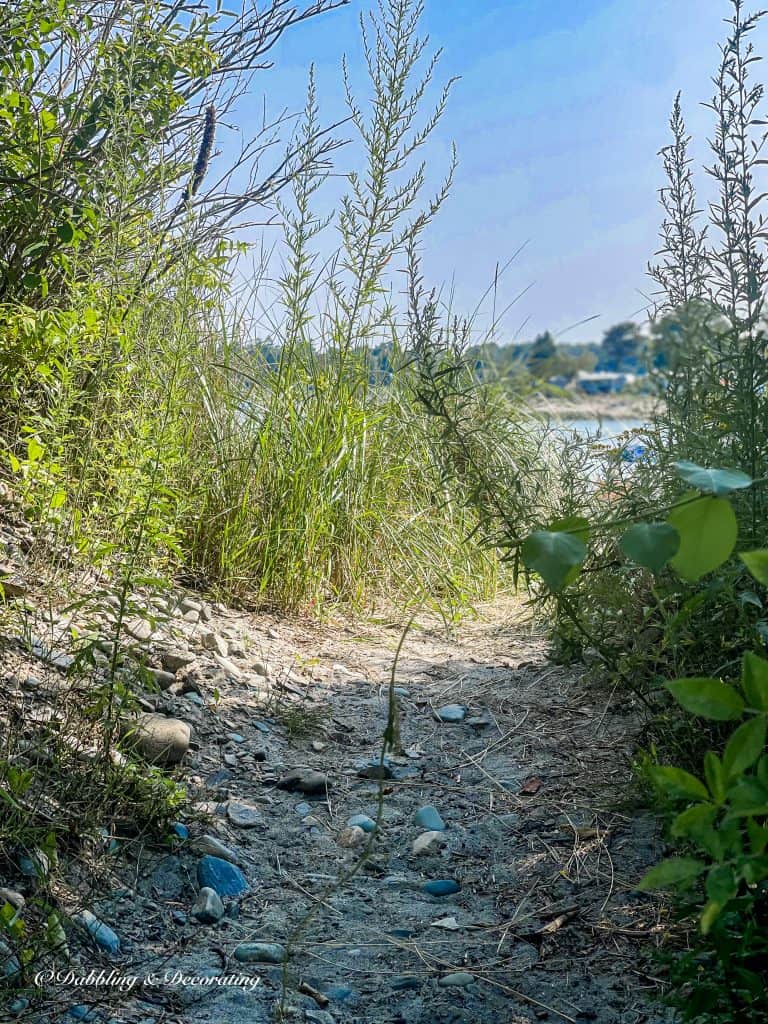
[260, 953]
[451, 713]
[18, 1006]
[441, 887]
[362, 821]
[101, 933]
[458, 979]
[221, 876]
[303, 809]
[402, 691]
[81, 1012]
[429, 818]
[9, 965]
[180, 830]
[261, 726]
[339, 992]
[406, 984]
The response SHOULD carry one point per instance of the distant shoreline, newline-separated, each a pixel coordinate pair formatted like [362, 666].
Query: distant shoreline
[602, 407]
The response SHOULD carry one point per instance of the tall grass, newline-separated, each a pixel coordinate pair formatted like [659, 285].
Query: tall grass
[141, 417]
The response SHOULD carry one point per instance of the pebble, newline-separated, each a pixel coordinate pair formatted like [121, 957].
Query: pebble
[213, 847]
[479, 722]
[213, 642]
[208, 907]
[429, 818]
[221, 876]
[260, 953]
[243, 815]
[82, 1012]
[160, 740]
[351, 837]
[458, 979]
[235, 737]
[426, 841]
[451, 713]
[261, 726]
[441, 887]
[9, 964]
[406, 984]
[35, 865]
[101, 933]
[18, 1006]
[303, 809]
[226, 666]
[11, 896]
[339, 992]
[138, 628]
[31, 682]
[304, 780]
[362, 821]
[376, 770]
[162, 678]
[402, 691]
[175, 658]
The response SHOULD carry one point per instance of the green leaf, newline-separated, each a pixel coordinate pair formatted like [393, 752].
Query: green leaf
[744, 747]
[66, 232]
[757, 563]
[712, 481]
[715, 776]
[721, 884]
[708, 698]
[709, 915]
[650, 544]
[553, 555]
[32, 281]
[708, 532]
[576, 525]
[671, 873]
[754, 681]
[678, 782]
[697, 825]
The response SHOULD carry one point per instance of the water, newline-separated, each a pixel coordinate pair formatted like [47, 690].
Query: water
[601, 429]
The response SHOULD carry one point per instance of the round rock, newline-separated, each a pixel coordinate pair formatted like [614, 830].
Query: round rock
[260, 953]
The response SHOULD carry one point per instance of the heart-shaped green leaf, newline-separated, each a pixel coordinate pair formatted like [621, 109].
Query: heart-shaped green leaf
[708, 530]
[712, 481]
[554, 555]
[650, 544]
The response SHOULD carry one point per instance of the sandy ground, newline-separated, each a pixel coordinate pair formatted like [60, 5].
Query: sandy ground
[541, 834]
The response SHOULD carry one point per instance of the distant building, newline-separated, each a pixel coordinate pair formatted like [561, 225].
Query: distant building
[603, 382]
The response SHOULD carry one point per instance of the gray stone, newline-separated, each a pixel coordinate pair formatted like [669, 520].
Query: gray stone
[303, 809]
[304, 780]
[426, 842]
[160, 740]
[208, 907]
[138, 628]
[11, 896]
[213, 847]
[162, 678]
[351, 837]
[213, 642]
[175, 658]
[243, 815]
[457, 979]
[260, 953]
[428, 817]
[451, 713]
[376, 770]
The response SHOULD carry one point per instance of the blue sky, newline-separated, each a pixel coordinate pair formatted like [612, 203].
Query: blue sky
[561, 109]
